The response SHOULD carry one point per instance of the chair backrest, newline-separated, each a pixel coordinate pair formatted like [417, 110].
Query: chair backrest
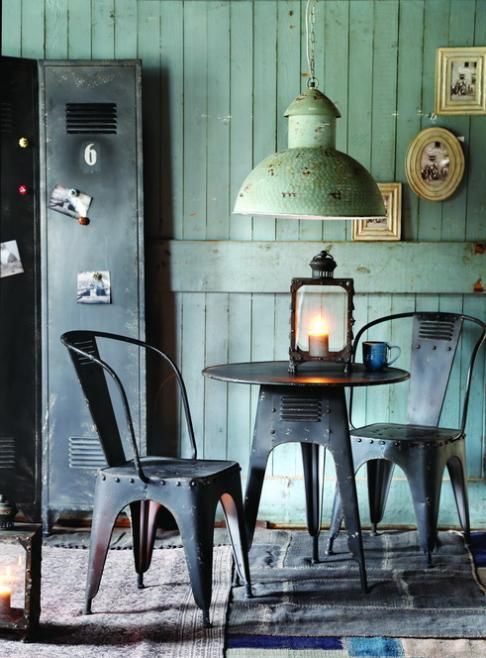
[91, 370]
[435, 337]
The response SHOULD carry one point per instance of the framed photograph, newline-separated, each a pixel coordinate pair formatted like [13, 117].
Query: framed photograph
[435, 164]
[460, 81]
[383, 229]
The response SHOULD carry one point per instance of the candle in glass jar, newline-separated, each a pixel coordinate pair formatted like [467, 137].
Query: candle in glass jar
[318, 339]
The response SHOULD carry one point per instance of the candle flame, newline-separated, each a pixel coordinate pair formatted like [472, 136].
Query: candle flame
[4, 589]
[318, 327]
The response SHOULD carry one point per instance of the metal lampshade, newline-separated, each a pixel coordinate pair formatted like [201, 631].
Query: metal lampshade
[311, 179]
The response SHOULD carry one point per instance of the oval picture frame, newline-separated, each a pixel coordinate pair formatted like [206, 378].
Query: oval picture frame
[435, 164]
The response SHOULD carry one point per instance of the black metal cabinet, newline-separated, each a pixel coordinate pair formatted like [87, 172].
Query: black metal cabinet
[19, 290]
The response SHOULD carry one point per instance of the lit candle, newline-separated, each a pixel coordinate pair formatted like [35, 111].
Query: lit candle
[5, 601]
[318, 339]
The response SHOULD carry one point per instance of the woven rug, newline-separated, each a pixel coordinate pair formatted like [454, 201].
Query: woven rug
[159, 620]
[318, 610]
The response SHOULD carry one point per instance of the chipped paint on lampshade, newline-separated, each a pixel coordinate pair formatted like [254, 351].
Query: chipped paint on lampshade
[311, 179]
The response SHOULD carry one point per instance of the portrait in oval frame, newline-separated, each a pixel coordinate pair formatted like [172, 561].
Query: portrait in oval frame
[435, 164]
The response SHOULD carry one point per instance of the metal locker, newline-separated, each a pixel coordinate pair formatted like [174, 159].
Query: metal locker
[19, 287]
[91, 252]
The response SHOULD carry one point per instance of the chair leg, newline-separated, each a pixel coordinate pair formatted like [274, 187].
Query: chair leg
[197, 533]
[424, 477]
[380, 472]
[144, 516]
[235, 521]
[313, 493]
[105, 511]
[457, 474]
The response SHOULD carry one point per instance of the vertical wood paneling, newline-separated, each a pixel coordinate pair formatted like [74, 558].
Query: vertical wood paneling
[288, 86]
[385, 47]
[219, 120]
[32, 28]
[461, 34]
[401, 335]
[56, 46]
[409, 95]
[103, 30]
[193, 339]
[148, 37]
[335, 35]
[239, 351]
[436, 34]
[125, 36]
[79, 29]
[241, 154]
[264, 98]
[12, 26]
[172, 120]
[216, 393]
[195, 119]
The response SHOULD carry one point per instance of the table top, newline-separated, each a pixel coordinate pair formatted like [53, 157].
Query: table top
[276, 373]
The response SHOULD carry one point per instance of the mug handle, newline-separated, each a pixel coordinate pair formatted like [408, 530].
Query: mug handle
[393, 347]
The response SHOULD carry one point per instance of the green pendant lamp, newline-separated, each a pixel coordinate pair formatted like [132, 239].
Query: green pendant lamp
[311, 179]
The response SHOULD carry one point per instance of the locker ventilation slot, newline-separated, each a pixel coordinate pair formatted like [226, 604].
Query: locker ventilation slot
[300, 409]
[6, 117]
[91, 118]
[436, 330]
[7, 452]
[86, 452]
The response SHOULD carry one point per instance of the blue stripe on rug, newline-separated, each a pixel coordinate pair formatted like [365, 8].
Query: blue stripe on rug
[478, 548]
[284, 642]
[384, 647]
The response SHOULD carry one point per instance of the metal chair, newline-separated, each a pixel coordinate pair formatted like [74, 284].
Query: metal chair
[189, 488]
[420, 446]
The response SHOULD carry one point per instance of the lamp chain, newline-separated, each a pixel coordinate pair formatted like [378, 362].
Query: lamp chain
[310, 34]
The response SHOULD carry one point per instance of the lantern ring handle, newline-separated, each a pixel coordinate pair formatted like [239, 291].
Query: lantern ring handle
[312, 82]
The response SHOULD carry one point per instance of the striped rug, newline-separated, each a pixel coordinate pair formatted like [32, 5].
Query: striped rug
[294, 632]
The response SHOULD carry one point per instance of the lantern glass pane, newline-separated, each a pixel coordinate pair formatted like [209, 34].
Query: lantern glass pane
[321, 309]
[12, 582]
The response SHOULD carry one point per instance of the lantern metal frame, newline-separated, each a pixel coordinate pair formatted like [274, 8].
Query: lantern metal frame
[24, 621]
[322, 265]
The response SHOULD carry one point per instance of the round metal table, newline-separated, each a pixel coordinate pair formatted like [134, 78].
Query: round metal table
[309, 408]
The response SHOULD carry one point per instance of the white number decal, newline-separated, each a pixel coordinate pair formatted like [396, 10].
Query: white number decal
[90, 155]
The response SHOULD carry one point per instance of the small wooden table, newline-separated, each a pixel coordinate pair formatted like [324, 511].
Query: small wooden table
[307, 408]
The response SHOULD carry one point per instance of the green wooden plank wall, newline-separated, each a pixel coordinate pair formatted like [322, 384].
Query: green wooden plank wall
[218, 75]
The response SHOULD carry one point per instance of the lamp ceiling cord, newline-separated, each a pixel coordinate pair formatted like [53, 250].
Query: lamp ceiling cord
[310, 37]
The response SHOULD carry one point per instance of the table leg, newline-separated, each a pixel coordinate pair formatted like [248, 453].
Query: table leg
[260, 450]
[313, 493]
[340, 446]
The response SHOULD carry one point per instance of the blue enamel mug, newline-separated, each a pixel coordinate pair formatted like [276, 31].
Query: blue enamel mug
[376, 354]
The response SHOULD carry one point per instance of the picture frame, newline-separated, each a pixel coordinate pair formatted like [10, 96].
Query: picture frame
[434, 165]
[385, 229]
[460, 81]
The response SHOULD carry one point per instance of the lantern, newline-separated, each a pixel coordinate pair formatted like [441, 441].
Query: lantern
[321, 319]
[20, 565]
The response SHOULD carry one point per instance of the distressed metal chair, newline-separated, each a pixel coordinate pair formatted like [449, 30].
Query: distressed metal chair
[420, 447]
[189, 488]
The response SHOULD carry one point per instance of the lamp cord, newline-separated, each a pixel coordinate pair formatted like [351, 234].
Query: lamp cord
[310, 36]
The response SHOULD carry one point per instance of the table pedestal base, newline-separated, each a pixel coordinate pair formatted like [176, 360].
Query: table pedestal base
[312, 416]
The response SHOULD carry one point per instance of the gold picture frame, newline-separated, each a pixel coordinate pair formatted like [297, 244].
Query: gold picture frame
[386, 229]
[460, 83]
[434, 165]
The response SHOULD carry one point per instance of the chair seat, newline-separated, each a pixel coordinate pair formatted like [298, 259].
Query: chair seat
[408, 433]
[167, 468]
